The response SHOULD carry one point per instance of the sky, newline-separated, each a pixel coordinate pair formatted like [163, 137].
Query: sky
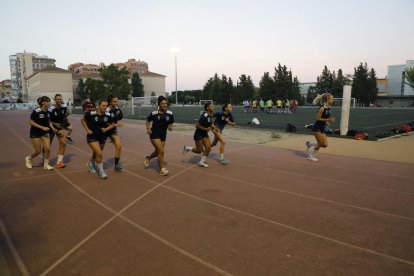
[231, 37]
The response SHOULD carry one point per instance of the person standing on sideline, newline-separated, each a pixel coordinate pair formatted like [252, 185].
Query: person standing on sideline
[162, 119]
[117, 115]
[322, 118]
[201, 138]
[58, 117]
[97, 125]
[40, 126]
[221, 119]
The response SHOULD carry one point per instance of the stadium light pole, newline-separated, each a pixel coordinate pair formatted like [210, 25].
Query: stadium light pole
[175, 52]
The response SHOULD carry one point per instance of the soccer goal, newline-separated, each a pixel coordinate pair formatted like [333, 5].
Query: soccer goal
[338, 102]
[203, 102]
[145, 101]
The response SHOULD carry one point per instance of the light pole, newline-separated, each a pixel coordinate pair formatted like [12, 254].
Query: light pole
[176, 51]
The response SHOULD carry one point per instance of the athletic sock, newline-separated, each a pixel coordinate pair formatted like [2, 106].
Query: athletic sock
[45, 162]
[313, 144]
[100, 166]
[221, 156]
[60, 158]
[188, 148]
[203, 159]
[116, 160]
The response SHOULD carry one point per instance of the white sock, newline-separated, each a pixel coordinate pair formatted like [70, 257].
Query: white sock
[60, 158]
[203, 159]
[100, 166]
[313, 144]
[29, 157]
[45, 162]
[188, 148]
[221, 156]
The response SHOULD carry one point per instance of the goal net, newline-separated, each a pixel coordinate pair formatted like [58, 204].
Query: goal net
[145, 101]
[338, 102]
[203, 102]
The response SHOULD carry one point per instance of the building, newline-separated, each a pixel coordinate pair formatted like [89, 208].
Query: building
[5, 91]
[397, 85]
[48, 82]
[22, 65]
[304, 87]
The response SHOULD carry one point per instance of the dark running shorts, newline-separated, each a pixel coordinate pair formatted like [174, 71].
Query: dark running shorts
[96, 138]
[199, 135]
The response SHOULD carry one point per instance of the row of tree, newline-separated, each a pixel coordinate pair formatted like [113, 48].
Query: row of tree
[364, 84]
[114, 81]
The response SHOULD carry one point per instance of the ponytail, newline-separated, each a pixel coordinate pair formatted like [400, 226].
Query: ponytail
[321, 99]
[110, 98]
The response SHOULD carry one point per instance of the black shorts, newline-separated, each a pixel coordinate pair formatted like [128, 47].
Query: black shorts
[158, 135]
[96, 138]
[200, 134]
[37, 132]
[113, 131]
[319, 127]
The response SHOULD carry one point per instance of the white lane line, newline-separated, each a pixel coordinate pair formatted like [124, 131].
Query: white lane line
[345, 244]
[16, 256]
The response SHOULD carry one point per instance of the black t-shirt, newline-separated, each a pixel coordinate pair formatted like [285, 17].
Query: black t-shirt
[95, 122]
[325, 115]
[160, 121]
[40, 117]
[115, 113]
[58, 114]
[221, 119]
[205, 120]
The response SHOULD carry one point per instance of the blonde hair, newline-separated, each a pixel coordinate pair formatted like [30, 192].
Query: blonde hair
[321, 99]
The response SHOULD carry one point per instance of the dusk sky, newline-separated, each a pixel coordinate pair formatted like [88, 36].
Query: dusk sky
[228, 37]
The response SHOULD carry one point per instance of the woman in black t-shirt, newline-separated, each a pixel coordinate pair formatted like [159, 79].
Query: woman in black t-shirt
[97, 125]
[157, 124]
[201, 138]
[39, 132]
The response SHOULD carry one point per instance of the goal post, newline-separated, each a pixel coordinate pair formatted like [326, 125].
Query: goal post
[339, 101]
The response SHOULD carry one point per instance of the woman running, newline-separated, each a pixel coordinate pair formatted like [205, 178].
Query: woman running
[58, 117]
[221, 119]
[201, 138]
[323, 116]
[162, 119]
[117, 115]
[39, 132]
[97, 125]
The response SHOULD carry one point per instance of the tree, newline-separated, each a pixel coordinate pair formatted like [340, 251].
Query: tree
[324, 83]
[80, 90]
[266, 84]
[245, 89]
[137, 86]
[94, 89]
[115, 82]
[364, 84]
[409, 75]
[311, 94]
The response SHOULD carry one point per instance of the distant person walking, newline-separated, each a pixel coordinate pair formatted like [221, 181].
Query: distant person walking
[117, 115]
[40, 125]
[201, 138]
[322, 118]
[158, 122]
[221, 119]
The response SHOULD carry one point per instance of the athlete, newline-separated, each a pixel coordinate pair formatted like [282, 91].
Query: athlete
[221, 119]
[39, 133]
[97, 125]
[322, 118]
[58, 117]
[201, 138]
[157, 124]
[117, 115]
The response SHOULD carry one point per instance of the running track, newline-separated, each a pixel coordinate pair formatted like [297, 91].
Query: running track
[270, 212]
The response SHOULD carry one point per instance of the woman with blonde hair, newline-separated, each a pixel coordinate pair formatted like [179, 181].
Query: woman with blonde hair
[322, 118]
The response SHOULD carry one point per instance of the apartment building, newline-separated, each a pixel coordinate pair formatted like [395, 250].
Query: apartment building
[22, 65]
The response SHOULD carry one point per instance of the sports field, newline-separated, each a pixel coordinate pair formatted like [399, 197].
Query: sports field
[269, 212]
[367, 120]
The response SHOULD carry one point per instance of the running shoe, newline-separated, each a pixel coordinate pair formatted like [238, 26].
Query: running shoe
[102, 174]
[146, 162]
[164, 172]
[312, 158]
[60, 164]
[91, 167]
[224, 162]
[118, 168]
[203, 164]
[185, 150]
[28, 162]
[69, 140]
[48, 167]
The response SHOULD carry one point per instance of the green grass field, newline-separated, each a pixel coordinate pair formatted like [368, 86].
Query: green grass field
[369, 120]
